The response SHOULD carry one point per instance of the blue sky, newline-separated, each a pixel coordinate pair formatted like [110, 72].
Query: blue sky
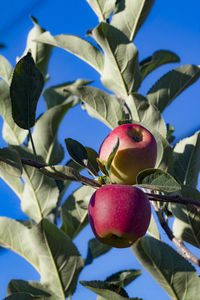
[172, 25]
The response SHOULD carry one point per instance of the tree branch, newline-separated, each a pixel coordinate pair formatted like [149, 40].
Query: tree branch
[173, 199]
[178, 243]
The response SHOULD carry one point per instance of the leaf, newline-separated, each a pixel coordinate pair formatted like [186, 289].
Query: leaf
[77, 152]
[95, 249]
[30, 287]
[92, 161]
[16, 237]
[12, 134]
[159, 58]
[5, 70]
[132, 17]
[121, 72]
[61, 173]
[40, 52]
[164, 153]
[26, 87]
[153, 228]
[100, 105]
[187, 160]
[169, 86]
[59, 259]
[112, 155]
[106, 290]
[103, 9]
[40, 193]
[58, 94]
[159, 180]
[74, 211]
[10, 162]
[45, 134]
[145, 113]
[24, 296]
[175, 274]
[125, 277]
[75, 45]
[186, 223]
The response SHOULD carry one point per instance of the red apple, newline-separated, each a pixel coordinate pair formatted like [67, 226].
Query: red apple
[137, 151]
[119, 214]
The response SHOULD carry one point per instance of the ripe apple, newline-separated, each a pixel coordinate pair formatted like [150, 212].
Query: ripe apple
[137, 151]
[119, 214]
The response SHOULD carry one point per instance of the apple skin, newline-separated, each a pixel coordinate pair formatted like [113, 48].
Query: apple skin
[137, 151]
[119, 214]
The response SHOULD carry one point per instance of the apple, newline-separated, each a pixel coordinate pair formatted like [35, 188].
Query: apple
[137, 151]
[119, 214]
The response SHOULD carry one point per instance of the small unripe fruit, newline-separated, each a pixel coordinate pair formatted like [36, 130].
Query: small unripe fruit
[137, 151]
[119, 214]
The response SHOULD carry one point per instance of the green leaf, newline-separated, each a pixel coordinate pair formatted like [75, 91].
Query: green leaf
[168, 87]
[103, 9]
[45, 134]
[26, 87]
[92, 161]
[132, 17]
[24, 296]
[164, 153]
[125, 277]
[187, 160]
[58, 94]
[145, 113]
[106, 290]
[74, 211]
[95, 249]
[10, 162]
[153, 228]
[12, 134]
[112, 155]
[40, 193]
[77, 46]
[5, 70]
[40, 52]
[61, 173]
[159, 180]
[16, 237]
[159, 58]
[77, 152]
[186, 223]
[100, 105]
[175, 274]
[31, 287]
[121, 72]
[59, 260]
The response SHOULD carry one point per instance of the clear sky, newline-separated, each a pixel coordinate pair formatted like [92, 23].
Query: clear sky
[172, 25]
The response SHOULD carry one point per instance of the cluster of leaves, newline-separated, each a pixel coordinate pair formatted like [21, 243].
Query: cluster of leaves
[30, 164]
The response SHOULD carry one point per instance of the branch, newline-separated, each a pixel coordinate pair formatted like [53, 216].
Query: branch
[178, 243]
[173, 199]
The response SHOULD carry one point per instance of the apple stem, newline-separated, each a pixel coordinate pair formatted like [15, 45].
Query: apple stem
[177, 242]
[173, 199]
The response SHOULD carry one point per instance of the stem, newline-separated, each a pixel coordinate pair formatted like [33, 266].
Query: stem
[90, 182]
[173, 199]
[32, 144]
[178, 243]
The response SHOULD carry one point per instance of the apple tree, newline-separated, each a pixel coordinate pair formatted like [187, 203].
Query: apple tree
[32, 162]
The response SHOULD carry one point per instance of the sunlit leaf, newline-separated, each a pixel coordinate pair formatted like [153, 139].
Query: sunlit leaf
[40, 52]
[10, 162]
[31, 287]
[100, 105]
[12, 134]
[26, 87]
[5, 70]
[159, 180]
[130, 19]
[158, 59]
[187, 160]
[77, 46]
[121, 72]
[175, 274]
[62, 173]
[168, 87]
[59, 260]
[74, 211]
[102, 8]
[123, 278]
